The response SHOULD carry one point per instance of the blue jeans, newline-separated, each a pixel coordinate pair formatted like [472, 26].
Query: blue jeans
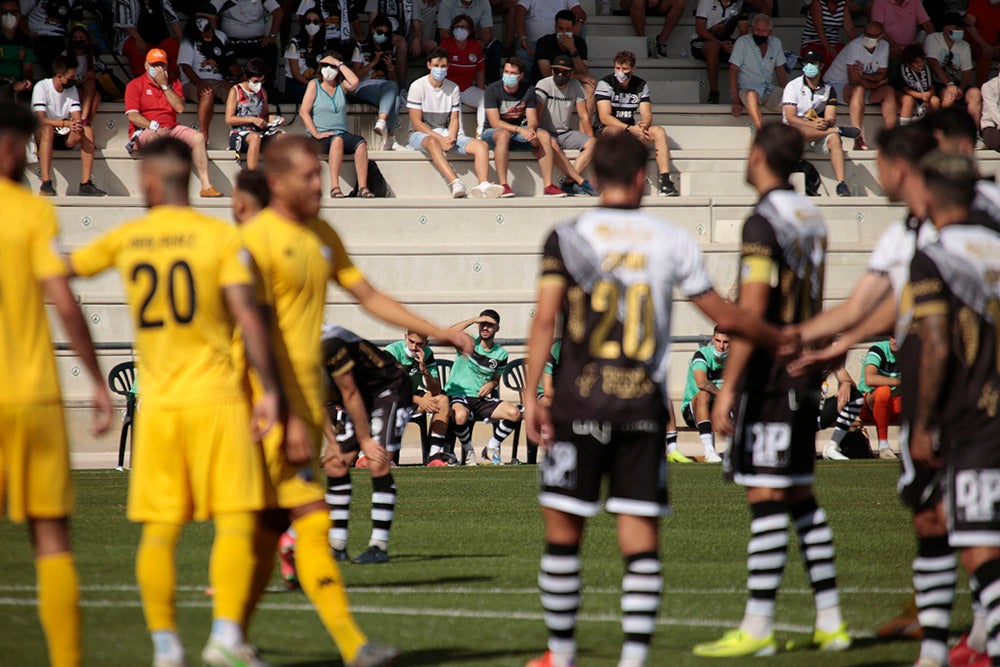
[384, 95]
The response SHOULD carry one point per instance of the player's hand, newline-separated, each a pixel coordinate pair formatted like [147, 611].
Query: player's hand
[538, 421]
[460, 340]
[722, 410]
[76, 125]
[922, 449]
[418, 356]
[843, 395]
[102, 409]
[299, 447]
[265, 415]
[424, 404]
[789, 343]
[486, 389]
[832, 355]
[376, 453]
[160, 76]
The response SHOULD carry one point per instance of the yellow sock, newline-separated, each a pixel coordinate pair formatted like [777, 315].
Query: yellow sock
[321, 580]
[265, 543]
[59, 607]
[231, 567]
[156, 572]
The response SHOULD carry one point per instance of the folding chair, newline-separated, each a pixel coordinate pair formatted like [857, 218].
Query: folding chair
[120, 381]
[422, 419]
[513, 379]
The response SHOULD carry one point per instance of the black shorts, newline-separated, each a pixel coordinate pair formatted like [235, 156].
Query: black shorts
[919, 487]
[972, 493]
[238, 140]
[775, 442]
[688, 413]
[699, 54]
[388, 416]
[480, 408]
[629, 453]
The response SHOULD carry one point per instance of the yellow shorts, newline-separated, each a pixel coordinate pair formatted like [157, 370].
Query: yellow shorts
[291, 486]
[34, 461]
[194, 462]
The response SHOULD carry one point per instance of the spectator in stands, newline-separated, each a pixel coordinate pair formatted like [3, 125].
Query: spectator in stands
[880, 384]
[206, 61]
[983, 19]
[949, 57]
[481, 14]
[60, 125]
[466, 66]
[672, 11]
[81, 52]
[559, 97]
[914, 83]
[303, 52]
[152, 103]
[990, 121]
[250, 33]
[142, 26]
[704, 377]
[532, 19]
[860, 75]
[16, 54]
[757, 59]
[435, 104]
[425, 14]
[810, 106]
[900, 20]
[374, 64]
[340, 21]
[47, 23]
[825, 19]
[563, 42]
[715, 23]
[417, 360]
[512, 124]
[624, 105]
[324, 112]
[403, 24]
[248, 113]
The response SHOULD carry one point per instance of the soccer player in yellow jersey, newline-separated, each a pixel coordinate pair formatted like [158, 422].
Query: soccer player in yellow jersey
[295, 253]
[188, 283]
[34, 454]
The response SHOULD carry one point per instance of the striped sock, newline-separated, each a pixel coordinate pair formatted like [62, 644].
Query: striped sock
[816, 546]
[934, 580]
[383, 509]
[437, 443]
[671, 441]
[642, 586]
[464, 434]
[846, 418]
[559, 583]
[338, 497]
[767, 554]
[501, 429]
[987, 578]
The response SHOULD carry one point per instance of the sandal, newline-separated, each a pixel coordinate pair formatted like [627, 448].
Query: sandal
[365, 193]
[337, 193]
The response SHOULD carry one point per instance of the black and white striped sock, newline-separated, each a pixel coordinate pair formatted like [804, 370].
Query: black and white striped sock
[642, 587]
[767, 554]
[464, 434]
[501, 429]
[987, 578]
[559, 582]
[816, 547]
[934, 581]
[846, 418]
[383, 510]
[338, 497]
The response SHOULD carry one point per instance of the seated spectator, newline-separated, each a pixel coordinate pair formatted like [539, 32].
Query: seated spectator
[840, 411]
[140, 27]
[81, 53]
[303, 52]
[810, 106]
[375, 64]
[983, 19]
[880, 385]
[624, 105]
[825, 19]
[532, 19]
[563, 42]
[340, 22]
[757, 59]
[546, 386]
[47, 24]
[990, 121]
[403, 24]
[417, 360]
[206, 62]
[324, 112]
[715, 23]
[466, 66]
[900, 20]
[914, 83]
[672, 11]
[860, 75]
[949, 57]
[16, 55]
[559, 97]
[60, 125]
[250, 33]
[472, 386]
[152, 103]
[512, 124]
[482, 18]
[248, 113]
[425, 13]
[434, 104]
[704, 377]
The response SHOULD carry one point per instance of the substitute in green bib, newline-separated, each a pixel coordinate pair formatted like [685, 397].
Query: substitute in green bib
[703, 381]
[417, 359]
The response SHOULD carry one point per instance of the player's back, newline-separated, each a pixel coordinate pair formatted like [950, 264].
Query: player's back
[175, 264]
[619, 268]
[372, 367]
[27, 255]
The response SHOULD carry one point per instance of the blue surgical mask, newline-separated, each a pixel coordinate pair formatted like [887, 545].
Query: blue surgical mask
[720, 355]
[380, 38]
[811, 70]
[510, 80]
[957, 35]
[439, 73]
[461, 34]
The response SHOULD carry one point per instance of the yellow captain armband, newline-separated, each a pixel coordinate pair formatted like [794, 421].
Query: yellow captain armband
[929, 308]
[551, 280]
[756, 269]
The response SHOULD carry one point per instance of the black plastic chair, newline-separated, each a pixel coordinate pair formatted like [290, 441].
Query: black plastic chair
[422, 419]
[120, 381]
[513, 379]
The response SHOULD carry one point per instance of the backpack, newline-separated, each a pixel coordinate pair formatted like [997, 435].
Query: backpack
[813, 181]
[376, 182]
[856, 445]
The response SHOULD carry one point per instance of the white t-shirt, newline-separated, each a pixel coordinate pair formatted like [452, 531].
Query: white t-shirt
[714, 13]
[205, 68]
[246, 19]
[541, 16]
[480, 12]
[960, 54]
[855, 52]
[437, 104]
[47, 18]
[336, 25]
[799, 95]
[56, 105]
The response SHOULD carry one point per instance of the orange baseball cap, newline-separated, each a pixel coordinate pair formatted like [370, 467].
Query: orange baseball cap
[156, 56]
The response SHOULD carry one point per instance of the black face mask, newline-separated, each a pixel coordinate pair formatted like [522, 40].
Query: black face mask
[78, 45]
[69, 84]
[560, 79]
[760, 40]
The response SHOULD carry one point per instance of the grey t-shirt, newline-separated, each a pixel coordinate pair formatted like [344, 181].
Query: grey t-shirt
[559, 104]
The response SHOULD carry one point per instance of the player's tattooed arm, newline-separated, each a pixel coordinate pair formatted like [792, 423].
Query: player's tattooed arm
[933, 365]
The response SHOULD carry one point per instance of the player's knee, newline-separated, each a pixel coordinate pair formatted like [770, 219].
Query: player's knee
[511, 413]
[882, 394]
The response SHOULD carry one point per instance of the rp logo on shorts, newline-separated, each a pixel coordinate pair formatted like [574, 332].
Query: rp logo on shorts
[976, 495]
[559, 466]
[770, 444]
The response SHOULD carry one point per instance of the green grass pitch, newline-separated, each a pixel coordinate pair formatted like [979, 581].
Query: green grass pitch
[461, 590]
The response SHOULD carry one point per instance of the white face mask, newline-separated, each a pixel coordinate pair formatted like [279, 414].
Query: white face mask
[312, 29]
[461, 34]
[621, 77]
[566, 35]
[8, 21]
[202, 24]
[721, 355]
[409, 353]
[328, 72]
[254, 86]
[869, 42]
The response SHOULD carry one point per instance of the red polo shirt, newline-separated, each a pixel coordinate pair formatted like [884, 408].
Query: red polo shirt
[144, 96]
[464, 63]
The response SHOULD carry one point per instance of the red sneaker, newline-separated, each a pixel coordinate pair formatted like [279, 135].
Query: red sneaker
[553, 191]
[507, 192]
[963, 654]
[544, 661]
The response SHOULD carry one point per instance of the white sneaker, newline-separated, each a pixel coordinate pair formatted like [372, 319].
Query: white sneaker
[470, 458]
[31, 153]
[389, 144]
[458, 190]
[887, 454]
[712, 457]
[169, 661]
[380, 127]
[832, 453]
[487, 190]
[243, 655]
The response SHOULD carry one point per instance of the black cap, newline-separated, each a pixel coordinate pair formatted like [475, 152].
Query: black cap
[489, 312]
[812, 56]
[955, 19]
[563, 62]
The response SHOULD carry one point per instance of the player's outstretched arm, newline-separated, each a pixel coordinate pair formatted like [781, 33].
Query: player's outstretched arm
[58, 292]
[738, 321]
[536, 417]
[870, 290]
[879, 322]
[243, 306]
